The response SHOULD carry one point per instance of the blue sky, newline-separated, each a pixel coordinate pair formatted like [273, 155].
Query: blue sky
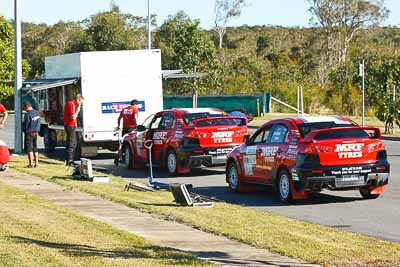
[259, 12]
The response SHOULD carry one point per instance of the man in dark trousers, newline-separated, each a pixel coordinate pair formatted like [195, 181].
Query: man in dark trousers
[31, 127]
[71, 110]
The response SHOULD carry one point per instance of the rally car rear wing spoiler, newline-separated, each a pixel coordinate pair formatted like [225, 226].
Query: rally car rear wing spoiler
[311, 136]
[195, 123]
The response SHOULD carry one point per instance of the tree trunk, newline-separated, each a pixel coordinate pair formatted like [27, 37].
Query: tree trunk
[221, 36]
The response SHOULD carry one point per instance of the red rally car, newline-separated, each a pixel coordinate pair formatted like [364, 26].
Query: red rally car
[302, 155]
[185, 138]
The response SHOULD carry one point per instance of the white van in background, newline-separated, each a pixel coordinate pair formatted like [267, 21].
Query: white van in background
[108, 81]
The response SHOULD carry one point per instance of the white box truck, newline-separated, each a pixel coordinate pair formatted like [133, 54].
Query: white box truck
[108, 81]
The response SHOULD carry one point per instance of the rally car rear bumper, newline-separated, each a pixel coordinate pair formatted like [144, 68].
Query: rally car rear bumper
[341, 177]
[195, 157]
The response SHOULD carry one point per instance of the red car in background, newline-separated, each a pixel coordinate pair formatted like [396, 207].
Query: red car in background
[302, 155]
[185, 138]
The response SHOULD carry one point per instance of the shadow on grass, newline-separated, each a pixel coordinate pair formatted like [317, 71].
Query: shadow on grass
[222, 259]
[267, 197]
[160, 205]
[148, 252]
[80, 250]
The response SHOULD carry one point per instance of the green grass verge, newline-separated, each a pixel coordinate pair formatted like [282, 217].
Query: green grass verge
[35, 232]
[294, 238]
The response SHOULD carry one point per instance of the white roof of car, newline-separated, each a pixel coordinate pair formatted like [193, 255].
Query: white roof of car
[201, 110]
[311, 119]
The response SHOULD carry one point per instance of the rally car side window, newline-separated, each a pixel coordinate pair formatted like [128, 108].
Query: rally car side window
[279, 134]
[147, 121]
[167, 122]
[155, 123]
[261, 136]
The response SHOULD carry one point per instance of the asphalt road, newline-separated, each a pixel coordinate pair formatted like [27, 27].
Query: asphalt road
[342, 210]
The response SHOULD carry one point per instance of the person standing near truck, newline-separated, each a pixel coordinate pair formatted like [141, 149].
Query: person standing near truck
[71, 111]
[129, 115]
[31, 127]
[3, 111]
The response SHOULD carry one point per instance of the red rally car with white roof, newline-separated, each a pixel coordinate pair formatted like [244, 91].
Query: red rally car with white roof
[184, 138]
[302, 155]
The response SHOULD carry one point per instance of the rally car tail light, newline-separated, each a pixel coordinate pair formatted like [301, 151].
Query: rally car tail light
[324, 149]
[315, 149]
[204, 135]
[375, 147]
[243, 131]
[193, 134]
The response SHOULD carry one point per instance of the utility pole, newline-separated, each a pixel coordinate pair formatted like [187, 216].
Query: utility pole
[362, 74]
[394, 108]
[148, 26]
[298, 100]
[301, 100]
[17, 78]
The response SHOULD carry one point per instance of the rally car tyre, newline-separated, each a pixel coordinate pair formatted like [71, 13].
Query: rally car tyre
[233, 177]
[284, 189]
[366, 194]
[128, 161]
[172, 162]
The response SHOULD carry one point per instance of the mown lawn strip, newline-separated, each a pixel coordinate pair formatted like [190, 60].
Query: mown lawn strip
[35, 232]
[294, 238]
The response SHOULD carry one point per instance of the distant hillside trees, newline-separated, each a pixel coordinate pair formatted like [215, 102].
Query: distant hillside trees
[340, 21]
[323, 59]
[225, 10]
[185, 47]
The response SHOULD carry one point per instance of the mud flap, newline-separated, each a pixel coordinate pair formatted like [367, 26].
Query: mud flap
[378, 190]
[180, 169]
[298, 194]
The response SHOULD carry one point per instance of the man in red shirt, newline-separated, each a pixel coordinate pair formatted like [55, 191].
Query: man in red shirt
[129, 115]
[71, 110]
[3, 110]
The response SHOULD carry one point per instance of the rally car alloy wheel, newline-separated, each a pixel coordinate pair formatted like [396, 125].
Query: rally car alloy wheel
[285, 192]
[233, 177]
[171, 162]
[127, 156]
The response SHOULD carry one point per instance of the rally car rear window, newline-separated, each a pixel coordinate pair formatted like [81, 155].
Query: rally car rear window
[217, 122]
[306, 128]
[187, 118]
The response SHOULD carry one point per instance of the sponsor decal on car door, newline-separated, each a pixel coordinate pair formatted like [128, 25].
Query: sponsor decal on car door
[250, 154]
[162, 135]
[270, 152]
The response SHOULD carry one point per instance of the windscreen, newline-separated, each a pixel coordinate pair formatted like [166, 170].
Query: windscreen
[310, 127]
